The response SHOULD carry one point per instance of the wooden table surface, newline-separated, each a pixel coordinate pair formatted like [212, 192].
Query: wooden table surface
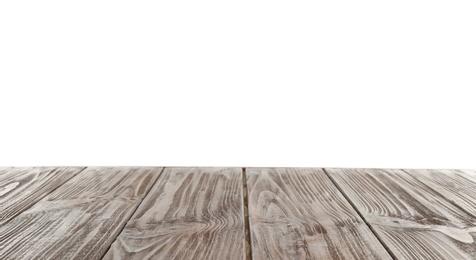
[236, 213]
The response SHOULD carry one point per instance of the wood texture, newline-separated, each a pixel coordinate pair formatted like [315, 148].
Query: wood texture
[80, 219]
[191, 213]
[20, 188]
[423, 214]
[300, 214]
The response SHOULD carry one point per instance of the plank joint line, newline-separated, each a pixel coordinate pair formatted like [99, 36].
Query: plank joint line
[133, 212]
[246, 216]
[360, 214]
[53, 190]
[41, 196]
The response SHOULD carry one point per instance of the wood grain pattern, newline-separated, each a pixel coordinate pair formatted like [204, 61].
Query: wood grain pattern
[191, 213]
[300, 214]
[80, 219]
[21, 187]
[418, 215]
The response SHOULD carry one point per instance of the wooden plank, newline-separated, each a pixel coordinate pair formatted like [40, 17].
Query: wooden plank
[298, 213]
[191, 213]
[21, 187]
[421, 215]
[80, 219]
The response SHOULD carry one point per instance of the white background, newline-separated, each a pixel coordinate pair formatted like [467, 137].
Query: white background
[238, 83]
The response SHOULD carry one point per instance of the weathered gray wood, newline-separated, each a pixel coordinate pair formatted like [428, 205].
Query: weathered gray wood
[299, 214]
[80, 219]
[21, 187]
[191, 213]
[418, 215]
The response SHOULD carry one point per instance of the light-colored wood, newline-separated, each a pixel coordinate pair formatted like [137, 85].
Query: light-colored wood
[418, 215]
[80, 219]
[298, 213]
[21, 187]
[191, 213]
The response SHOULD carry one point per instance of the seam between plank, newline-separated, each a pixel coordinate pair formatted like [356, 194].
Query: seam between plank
[46, 194]
[246, 217]
[132, 214]
[360, 214]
